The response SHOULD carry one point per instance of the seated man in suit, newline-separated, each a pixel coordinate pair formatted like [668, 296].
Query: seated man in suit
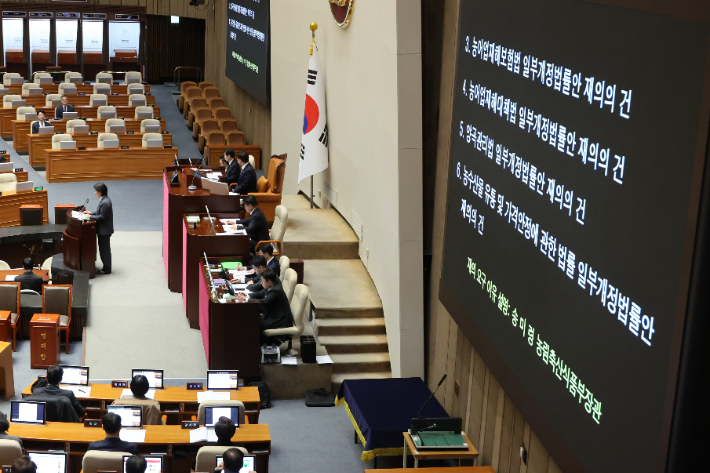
[5, 424]
[54, 377]
[276, 311]
[29, 280]
[232, 170]
[256, 225]
[112, 442]
[64, 107]
[232, 462]
[247, 176]
[24, 465]
[224, 429]
[258, 265]
[151, 407]
[136, 464]
[40, 123]
[267, 251]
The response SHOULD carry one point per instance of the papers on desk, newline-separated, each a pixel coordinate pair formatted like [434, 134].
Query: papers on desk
[213, 175]
[127, 392]
[232, 231]
[212, 396]
[202, 434]
[79, 391]
[132, 435]
[289, 360]
[10, 277]
[324, 360]
[77, 215]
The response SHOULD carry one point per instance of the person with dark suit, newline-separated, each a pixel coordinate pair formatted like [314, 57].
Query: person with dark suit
[40, 123]
[233, 171]
[113, 443]
[5, 424]
[136, 464]
[267, 251]
[258, 264]
[232, 461]
[256, 225]
[54, 377]
[29, 280]
[24, 465]
[276, 310]
[247, 176]
[104, 225]
[64, 107]
[224, 429]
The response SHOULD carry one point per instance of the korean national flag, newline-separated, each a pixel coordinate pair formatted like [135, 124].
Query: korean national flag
[314, 144]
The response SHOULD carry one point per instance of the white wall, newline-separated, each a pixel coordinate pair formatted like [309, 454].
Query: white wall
[373, 99]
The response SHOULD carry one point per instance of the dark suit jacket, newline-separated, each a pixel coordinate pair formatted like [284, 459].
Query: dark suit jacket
[247, 180]
[59, 111]
[29, 280]
[52, 390]
[58, 408]
[277, 310]
[233, 172]
[113, 444]
[274, 264]
[4, 436]
[256, 226]
[104, 217]
[35, 126]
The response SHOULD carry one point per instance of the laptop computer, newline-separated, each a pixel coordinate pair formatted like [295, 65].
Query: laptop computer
[69, 90]
[117, 128]
[35, 91]
[7, 167]
[106, 90]
[49, 462]
[153, 143]
[31, 116]
[154, 463]
[110, 143]
[222, 379]
[75, 375]
[20, 103]
[138, 102]
[46, 80]
[249, 463]
[24, 186]
[103, 80]
[131, 416]
[76, 80]
[17, 80]
[27, 412]
[70, 115]
[81, 128]
[46, 130]
[99, 102]
[155, 377]
[152, 128]
[213, 413]
[106, 114]
[67, 145]
[140, 115]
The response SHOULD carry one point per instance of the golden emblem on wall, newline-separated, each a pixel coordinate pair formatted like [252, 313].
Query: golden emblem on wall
[342, 11]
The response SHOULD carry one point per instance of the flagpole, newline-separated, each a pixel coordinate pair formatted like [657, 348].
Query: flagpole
[314, 27]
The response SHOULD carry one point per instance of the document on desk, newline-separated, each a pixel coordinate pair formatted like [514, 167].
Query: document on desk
[202, 434]
[127, 392]
[212, 396]
[289, 360]
[324, 360]
[79, 391]
[132, 435]
[11, 277]
[77, 215]
[213, 175]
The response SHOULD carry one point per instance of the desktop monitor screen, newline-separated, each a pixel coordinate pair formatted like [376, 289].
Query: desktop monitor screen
[70, 115]
[133, 80]
[27, 412]
[152, 128]
[138, 102]
[69, 90]
[104, 80]
[111, 143]
[223, 379]
[46, 130]
[75, 375]
[154, 143]
[54, 462]
[31, 116]
[143, 115]
[154, 463]
[98, 102]
[76, 80]
[131, 416]
[56, 102]
[46, 80]
[117, 128]
[155, 377]
[67, 145]
[248, 465]
[18, 103]
[212, 414]
[106, 114]
[81, 128]
[35, 91]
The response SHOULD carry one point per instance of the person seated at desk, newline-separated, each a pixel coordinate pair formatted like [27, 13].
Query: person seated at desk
[224, 429]
[267, 251]
[246, 184]
[256, 225]
[151, 407]
[64, 107]
[223, 162]
[29, 280]
[40, 123]
[276, 310]
[232, 169]
[112, 443]
[5, 424]
[24, 465]
[232, 462]
[54, 377]
[253, 279]
[136, 464]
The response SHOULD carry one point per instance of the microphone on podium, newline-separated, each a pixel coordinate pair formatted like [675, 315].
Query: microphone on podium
[83, 207]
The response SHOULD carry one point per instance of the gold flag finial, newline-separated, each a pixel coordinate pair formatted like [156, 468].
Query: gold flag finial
[314, 27]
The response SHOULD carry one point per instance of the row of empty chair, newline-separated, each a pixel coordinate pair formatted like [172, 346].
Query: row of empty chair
[103, 112]
[54, 100]
[110, 140]
[31, 88]
[71, 77]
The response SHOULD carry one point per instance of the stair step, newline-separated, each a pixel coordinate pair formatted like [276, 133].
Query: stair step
[338, 378]
[354, 343]
[360, 362]
[346, 326]
[348, 312]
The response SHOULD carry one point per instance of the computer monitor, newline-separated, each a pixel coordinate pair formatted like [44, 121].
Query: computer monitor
[248, 465]
[155, 377]
[27, 412]
[142, 115]
[104, 80]
[110, 143]
[49, 462]
[76, 80]
[131, 416]
[213, 413]
[152, 128]
[117, 128]
[70, 115]
[46, 80]
[19, 103]
[56, 102]
[98, 102]
[138, 102]
[24, 186]
[31, 116]
[17, 80]
[67, 145]
[81, 128]
[154, 463]
[46, 130]
[154, 143]
[75, 375]
[69, 91]
[222, 379]
[106, 114]
[133, 80]
[35, 91]
[7, 167]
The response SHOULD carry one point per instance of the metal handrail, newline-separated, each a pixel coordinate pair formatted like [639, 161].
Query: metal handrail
[177, 74]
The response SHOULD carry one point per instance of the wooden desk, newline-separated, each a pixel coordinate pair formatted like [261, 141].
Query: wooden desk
[21, 176]
[44, 273]
[176, 402]
[7, 378]
[470, 454]
[74, 439]
[436, 469]
[101, 164]
[36, 143]
[203, 240]
[86, 89]
[214, 152]
[177, 201]
[10, 202]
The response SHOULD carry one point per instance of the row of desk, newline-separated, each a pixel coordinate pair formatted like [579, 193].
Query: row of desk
[11, 201]
[86, 89]
[114, 98]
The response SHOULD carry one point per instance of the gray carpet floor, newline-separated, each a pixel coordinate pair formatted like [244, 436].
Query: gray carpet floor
[136, 322]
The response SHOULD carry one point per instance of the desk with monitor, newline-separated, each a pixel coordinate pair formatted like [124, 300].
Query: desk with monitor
[82, 88]
[11, 201]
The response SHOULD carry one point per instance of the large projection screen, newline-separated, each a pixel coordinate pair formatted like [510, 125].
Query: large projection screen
[578, 146]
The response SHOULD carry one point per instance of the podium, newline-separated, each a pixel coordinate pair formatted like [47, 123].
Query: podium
[80, 245]
[44, 340]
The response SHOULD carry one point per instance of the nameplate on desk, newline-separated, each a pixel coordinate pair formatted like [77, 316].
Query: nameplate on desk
[190, 424]
[124, 147]
[19, 169]
[114, 93]
[44, 318]
[82, 93]
[92, 422]
[167, 147]
[3, 152]
[119, 384]
[165, 132]
[37, 189]
[130, 132]
[94, 132]
[81, 147]
[194, 386]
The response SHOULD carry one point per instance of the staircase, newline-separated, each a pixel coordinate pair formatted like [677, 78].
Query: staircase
[349, 320]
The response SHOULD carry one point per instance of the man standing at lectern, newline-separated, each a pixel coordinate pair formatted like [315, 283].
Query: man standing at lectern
[104, 225]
